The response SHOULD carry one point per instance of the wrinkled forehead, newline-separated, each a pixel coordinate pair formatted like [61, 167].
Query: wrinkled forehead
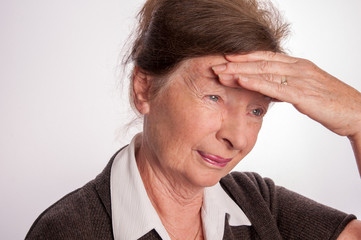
[201, 66]
[198, 74]
[198, 70]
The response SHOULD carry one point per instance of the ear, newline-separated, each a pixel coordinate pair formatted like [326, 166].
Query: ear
[141, 85]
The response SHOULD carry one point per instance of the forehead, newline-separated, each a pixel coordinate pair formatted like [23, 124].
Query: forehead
[197, 72]
[201, 66]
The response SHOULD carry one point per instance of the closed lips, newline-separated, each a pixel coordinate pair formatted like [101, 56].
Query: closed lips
[215, 160]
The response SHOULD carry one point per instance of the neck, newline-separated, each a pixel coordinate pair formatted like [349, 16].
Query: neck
[177, 203]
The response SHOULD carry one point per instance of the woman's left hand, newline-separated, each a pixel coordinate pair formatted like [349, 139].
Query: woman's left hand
[311, 90]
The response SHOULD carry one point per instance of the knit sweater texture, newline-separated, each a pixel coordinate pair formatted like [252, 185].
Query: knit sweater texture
[275, 213]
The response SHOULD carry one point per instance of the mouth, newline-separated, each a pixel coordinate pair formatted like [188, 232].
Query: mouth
[214, 160]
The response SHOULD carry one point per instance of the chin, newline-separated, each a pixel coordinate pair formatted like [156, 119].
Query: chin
[208, 179]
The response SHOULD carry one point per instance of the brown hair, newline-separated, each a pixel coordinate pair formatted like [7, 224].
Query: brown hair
[170, 31]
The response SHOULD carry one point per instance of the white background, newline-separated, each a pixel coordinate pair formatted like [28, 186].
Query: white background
[63, 110]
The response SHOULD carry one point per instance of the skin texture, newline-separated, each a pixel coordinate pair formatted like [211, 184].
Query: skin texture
[311, 90]
[215, 105]
[352, 231]
[194, 113]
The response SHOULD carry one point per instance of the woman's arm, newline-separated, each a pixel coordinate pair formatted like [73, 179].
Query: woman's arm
[352, 231]
[356, 146]
[311, 90]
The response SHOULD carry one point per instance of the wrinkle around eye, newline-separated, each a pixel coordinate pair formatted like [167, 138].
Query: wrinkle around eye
[215, 106]
[258, 110]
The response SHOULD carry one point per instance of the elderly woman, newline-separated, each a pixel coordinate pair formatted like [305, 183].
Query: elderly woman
[205, 72]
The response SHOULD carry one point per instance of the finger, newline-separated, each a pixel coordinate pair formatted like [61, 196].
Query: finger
[231, 80]
[261, 55]
[285, 93]
[257, 67]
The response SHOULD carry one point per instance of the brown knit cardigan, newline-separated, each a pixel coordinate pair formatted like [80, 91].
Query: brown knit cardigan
[275, 212]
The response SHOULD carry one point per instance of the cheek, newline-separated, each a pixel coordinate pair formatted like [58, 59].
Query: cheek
[194, 118]
[252, 134]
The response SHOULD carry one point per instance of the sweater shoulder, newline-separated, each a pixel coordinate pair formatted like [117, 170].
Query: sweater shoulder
[250, 182]
[82, 214]
[75, 216]
[290, 214]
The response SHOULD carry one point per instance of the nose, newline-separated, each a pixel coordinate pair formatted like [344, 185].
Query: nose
[234, 131]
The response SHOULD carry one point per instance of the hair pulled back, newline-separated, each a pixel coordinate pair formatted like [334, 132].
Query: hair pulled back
[170, 31]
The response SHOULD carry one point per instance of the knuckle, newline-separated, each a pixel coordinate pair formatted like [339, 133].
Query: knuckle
[269, 77]
[309, 68]
[233, 67]
[237, 66]
[270, 54]
[301, 63]
[304, 63]
[263, 65]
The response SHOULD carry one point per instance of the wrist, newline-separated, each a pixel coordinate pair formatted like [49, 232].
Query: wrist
[356, 136]
[355, 140]
[355, 127]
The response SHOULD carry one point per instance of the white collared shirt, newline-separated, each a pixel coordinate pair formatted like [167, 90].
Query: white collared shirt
[133, 215]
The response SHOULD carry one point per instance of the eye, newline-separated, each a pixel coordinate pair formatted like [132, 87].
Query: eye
[259, 112]
[214, 98]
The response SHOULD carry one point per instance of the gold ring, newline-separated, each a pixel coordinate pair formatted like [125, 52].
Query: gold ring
[284, 80]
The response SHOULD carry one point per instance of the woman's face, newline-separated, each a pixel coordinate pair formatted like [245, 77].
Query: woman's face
[196, 130]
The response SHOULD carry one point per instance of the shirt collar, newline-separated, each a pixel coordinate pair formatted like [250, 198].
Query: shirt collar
[133, 215]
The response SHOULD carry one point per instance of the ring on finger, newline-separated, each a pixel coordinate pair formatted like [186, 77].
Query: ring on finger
[284, 80]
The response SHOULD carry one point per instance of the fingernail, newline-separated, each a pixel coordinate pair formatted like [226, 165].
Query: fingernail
[219, 68]
[226, 77]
